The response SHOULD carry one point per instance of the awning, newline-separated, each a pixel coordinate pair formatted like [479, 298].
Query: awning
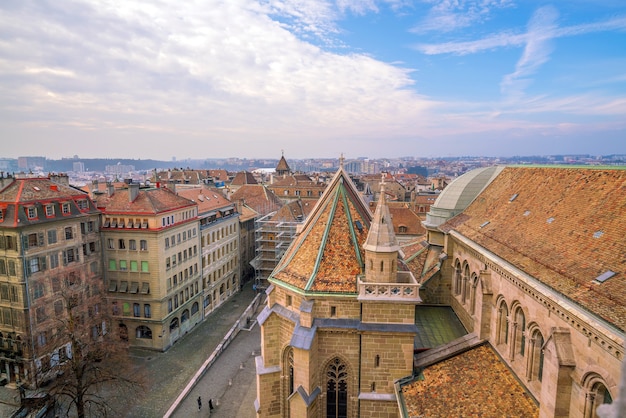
[134, 286]
[112, 286]
[145, 288]
[123, 286]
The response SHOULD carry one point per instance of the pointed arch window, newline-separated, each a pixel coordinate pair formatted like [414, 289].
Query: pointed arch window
[520, 336]
[290, 369]
[457, 279]
[597, 394]
[503, 324]
[336, 390]
[536, 356]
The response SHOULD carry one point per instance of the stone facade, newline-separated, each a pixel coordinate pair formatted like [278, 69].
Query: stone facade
[333, 344]
[553, 319]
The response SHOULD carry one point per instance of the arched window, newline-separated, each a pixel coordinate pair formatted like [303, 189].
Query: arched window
[473, 294]
[502, 336]
[194, 308]
[185, 315]
[457, 279]
[520, 328]
[143, 331]
[536, 356]
[466, 278]
[336, 390]
[173, 324]
[597, 394]
[290, 369]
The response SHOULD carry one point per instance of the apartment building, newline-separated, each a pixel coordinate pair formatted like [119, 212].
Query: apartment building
[152, 263]
[49, 240]
[219, 243]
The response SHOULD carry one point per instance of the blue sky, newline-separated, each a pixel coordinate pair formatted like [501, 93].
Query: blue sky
[243, 78]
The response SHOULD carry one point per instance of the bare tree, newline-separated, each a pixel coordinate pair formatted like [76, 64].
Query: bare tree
[92, 372]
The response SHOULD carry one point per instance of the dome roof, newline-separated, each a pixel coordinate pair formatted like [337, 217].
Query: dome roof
[459, 194]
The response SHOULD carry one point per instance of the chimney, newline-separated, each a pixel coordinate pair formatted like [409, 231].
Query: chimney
[133, 191]
[171, 184]
[110, 189]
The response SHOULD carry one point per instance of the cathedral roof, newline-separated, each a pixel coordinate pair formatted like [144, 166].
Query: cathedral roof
[562, 226]
[327, 254]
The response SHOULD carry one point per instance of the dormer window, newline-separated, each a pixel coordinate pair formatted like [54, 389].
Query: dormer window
[50, 210]
[31, 212]
[1, 215]
[65, 208]
[82, 204]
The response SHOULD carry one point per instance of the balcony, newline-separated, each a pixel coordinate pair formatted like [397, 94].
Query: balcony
[405, 289]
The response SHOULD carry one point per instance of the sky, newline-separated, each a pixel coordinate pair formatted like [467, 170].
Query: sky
[200, 79]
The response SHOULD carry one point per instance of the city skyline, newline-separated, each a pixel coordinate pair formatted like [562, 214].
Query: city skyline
[214, 79]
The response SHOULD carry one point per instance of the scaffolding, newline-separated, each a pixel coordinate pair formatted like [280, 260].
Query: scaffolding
[272, 238]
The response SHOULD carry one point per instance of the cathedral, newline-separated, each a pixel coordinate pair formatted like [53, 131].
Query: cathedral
[531, 260]
[339, 326]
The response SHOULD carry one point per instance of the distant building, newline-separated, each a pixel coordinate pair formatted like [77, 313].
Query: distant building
[78, 167]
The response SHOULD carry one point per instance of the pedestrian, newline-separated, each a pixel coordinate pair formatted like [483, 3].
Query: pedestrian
[210, 404]
[200, 403]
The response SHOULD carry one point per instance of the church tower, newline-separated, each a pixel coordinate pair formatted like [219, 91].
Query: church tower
[339, 325]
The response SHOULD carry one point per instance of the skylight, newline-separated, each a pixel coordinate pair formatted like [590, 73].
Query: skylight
[484, 224]
[550, 220]
[604, 276]
[598, 234]
[513, 197]
[527, 213]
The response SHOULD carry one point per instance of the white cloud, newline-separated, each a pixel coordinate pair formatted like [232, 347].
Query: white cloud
[541, 29]
[451, 15]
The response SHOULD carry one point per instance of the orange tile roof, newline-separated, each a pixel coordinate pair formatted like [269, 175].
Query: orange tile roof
[148, 201]
[294, 211]
[258, 197]
[243, 177]
[475, 383]
[562, 226]
[207, 199]
[327, 255]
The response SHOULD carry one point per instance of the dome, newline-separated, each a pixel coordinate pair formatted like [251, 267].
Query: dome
[459, 194]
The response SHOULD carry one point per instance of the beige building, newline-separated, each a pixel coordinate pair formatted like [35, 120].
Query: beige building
[152, 259]
[532, 262]
[338, 328]
[49, 240]
[219, 243]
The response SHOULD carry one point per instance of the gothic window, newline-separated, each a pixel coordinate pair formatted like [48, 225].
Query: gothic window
[457, 280]
[596, 395]
[290, 372]
[536, 356]
[466, 278]
[336, 390]
[520, 338]
[473, 291]
[502, 330]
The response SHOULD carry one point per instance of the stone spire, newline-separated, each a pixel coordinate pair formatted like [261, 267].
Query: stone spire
[381, 237]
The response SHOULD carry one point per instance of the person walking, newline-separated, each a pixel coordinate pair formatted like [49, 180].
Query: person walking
[200, 403]
[210, 404]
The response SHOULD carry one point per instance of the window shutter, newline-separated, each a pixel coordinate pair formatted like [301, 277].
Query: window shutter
[24, 242]
[65, 257]
[42, 263]
[40, 239]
